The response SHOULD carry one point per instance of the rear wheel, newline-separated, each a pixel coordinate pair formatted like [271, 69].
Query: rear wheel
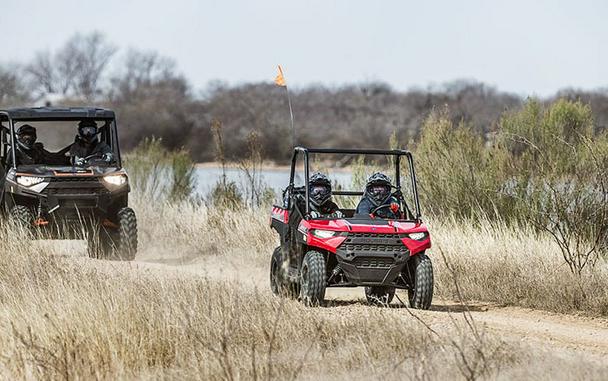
[379, 295]
[421, 274]
[312, 279]
[276, 272]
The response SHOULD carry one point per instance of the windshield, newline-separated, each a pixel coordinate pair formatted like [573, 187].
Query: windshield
[78, 143]
[361, 185]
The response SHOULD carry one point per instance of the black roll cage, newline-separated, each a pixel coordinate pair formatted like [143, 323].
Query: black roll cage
[396, 153]
[60, 118]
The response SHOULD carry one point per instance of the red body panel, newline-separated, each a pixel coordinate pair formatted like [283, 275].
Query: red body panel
[393, 227]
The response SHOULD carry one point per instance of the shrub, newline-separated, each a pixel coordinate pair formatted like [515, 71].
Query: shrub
[159, 173]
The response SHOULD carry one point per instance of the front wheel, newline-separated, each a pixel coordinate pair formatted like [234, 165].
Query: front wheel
[127, 235]
[312, 279]
[115, 242]
[421, 274]
[22, 216]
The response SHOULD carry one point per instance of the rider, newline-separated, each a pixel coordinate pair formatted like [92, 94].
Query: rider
[378, 197]
[30, 152]
[87, 144]
[319, 194]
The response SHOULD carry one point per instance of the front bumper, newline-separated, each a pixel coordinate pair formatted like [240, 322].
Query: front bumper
[69, 197]
[369, 259]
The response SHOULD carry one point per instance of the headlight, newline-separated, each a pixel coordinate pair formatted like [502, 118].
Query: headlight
[28, 181]
[417, 236]
[116, 180]
[324, 233]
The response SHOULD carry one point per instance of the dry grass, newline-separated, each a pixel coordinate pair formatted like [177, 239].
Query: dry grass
[65, 317]
[514, 266]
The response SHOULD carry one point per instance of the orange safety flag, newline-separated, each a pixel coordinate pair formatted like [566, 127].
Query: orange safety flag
[280, 79]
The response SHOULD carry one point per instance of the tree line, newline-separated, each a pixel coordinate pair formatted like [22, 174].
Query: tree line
[152, 98]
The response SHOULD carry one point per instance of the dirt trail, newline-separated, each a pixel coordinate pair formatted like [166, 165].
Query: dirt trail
[564, 335]
[569, 337]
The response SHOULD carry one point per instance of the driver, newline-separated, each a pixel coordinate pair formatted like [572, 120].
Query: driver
[30, 152]
[378, 193]
[87, 144]
[319, 193]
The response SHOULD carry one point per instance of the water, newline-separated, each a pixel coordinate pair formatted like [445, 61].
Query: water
[275, 178]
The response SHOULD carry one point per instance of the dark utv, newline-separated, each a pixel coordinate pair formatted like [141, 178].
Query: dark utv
[356, 250]
[59, 196]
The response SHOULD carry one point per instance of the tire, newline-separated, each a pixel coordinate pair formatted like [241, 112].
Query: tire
[380, 296]
[421, 270]
[22, 217]
[126, 245]
[115, 243]
[279, 282]
[312, 279]
[276, 272]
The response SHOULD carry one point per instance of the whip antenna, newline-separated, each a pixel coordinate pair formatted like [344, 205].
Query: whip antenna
[280, 81]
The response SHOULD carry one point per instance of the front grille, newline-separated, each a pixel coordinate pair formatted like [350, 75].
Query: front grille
[374, 243]
[76, 186]
[373, 262]
[74, 179]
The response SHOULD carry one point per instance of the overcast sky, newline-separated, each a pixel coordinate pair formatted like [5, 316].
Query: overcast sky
[526, 47]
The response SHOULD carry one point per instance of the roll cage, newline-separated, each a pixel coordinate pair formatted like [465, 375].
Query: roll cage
[397, 154]
[47, 114]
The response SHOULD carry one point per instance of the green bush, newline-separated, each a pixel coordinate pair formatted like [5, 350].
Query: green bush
[457, 172]
[545, 167]
[159, 173]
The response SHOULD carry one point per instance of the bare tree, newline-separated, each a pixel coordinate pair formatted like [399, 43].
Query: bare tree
[13, 89]
[91, 54]
[42, 73]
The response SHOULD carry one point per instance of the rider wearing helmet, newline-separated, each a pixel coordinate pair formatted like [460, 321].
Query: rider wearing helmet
[319, 193]
[87, 144]
[28, 151]
[378, 197]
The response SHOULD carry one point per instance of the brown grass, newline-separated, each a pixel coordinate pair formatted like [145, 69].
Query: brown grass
[211, 316]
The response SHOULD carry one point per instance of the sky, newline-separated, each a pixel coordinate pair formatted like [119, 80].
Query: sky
[523, 47]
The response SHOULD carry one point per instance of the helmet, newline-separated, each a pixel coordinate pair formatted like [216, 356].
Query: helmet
[378, 188]
[26, 137]
[319, 189]
[87, 130]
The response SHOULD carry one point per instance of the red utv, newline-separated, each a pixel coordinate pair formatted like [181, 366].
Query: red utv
[358, 250]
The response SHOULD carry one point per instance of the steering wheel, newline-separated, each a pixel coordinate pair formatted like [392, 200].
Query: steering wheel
[88, 158]
[395, 194]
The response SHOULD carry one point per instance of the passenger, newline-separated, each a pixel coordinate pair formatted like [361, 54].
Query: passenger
[319, 193]
[378, 197]
[30, 152]
[87, 144]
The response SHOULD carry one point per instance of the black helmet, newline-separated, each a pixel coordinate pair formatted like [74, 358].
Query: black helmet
[87, 130]
[319, 189]
[26, 137]
[378, 188]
